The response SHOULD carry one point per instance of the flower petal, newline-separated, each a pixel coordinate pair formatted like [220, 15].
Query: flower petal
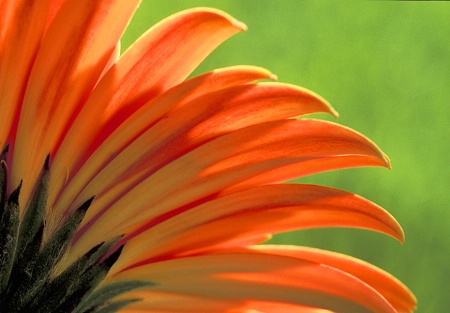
[77, 45]
[135, 125]
[393, 290]
[206, 118]
[237, 219]
[218, 164]
[164, 302]
[170, 51]
[309, 167]
[18, 47]
[270, 278]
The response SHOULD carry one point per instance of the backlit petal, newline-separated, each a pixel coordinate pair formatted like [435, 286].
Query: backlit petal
[237, 219]
[121, 177]
[271, 278]
[219, 164]
[204, 119]
[19, 44]
[159, 60]
[309, 167]
[76, 47]
[137, 123]
[393, 290]
[165, 302]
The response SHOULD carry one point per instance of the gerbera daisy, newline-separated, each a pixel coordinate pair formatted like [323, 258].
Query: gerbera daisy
[126, 187]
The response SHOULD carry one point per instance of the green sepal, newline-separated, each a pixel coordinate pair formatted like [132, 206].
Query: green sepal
[86, 283]
[55, 290]
[9, 229]
[101, 297]
[53, 250]
[33, 219]
[31, 282]
[31, 232]
[113, 307]
[91, 257]
[3, 180]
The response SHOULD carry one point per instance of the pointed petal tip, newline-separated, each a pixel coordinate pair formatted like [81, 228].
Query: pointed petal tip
[240, 25]
[387, 161]
[264, 74]
[236, 23]
[400, 235]
[273, 77]
[333, 112]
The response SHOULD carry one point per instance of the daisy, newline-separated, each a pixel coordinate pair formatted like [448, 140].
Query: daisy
[126, 187]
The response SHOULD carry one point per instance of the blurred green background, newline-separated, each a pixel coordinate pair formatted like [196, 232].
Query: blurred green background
[385, 67]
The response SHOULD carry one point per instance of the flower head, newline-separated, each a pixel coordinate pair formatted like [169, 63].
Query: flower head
[125, 186]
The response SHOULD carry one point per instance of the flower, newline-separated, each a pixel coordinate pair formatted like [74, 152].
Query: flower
[126, 187]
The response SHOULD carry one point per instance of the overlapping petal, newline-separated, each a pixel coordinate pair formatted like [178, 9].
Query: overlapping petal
[172, 49]
[160, 59]
[68, 65]
[202, 119]
[237, 219]
[139, 122]
[184, 173]
[393, 290]
[19, 44]
[248, 275]
[213, 166]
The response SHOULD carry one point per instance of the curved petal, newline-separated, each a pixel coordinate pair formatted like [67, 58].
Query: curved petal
[18, 47]
[67, 67]
[73, 180]
[158, 301]
[309, 167]
[237, 219]
[218, 164]
[393, 290]
[164, 302]
[270, 278]
[170, 51]
[204, 119]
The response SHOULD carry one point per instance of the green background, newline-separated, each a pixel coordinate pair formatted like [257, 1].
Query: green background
[385, 67]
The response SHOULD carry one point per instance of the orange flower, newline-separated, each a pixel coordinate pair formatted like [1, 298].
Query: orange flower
[125, 187]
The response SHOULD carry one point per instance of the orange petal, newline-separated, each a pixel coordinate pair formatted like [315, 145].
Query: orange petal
[393, 290]
[206, 118]
[55, 6]
[164, 302]
[219, 164]
[18, 47]
[261, 277]
[76, 47]
[170, 51]
[63, 165]
[157, 301]
[237, 219]
[309, 167]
